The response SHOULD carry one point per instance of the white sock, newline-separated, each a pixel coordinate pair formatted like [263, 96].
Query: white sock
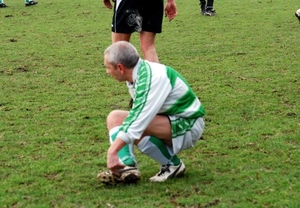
[154, 152]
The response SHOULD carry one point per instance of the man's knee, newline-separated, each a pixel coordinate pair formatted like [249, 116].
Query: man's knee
[115, 118]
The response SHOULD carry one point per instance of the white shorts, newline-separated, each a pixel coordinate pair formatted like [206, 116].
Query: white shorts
[185, 132]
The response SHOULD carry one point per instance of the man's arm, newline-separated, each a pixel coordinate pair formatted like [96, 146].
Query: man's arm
[113, 162]
[171, 9]
[108, 4]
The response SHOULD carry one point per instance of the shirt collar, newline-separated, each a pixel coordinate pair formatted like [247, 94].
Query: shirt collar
[135, 70]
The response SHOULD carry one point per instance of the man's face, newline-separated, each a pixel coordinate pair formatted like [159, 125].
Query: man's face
[115, 72]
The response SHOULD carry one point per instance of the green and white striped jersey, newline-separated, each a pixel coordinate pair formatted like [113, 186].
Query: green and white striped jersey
[158, 89]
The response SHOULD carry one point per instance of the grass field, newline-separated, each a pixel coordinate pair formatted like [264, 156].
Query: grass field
[55, 95]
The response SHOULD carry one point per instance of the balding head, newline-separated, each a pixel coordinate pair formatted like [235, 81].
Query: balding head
[122, 52]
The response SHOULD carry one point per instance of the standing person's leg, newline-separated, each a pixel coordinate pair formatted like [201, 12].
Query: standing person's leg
[2, 5]
[202, 6]
[147, 43]
[124, 22]
[120, 36]
[210, 5]
[30, 3]
[209, 8]
[152, 12]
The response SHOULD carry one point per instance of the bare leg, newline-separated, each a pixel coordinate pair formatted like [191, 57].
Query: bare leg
[115, 37]
[159, 127]
[147, 42]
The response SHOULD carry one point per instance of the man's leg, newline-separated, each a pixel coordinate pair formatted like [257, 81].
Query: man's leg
[159, 127]
[171, 165]
[158, 147]
[2, 5]
[30, 3]
[209, 8]
[202, 6]
[126, 155]
[185, 133]
[147, 43]
[130, 174]
[115, 37]
[158, 151]
[210, 5]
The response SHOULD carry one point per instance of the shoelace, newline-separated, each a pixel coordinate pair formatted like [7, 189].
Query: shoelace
[163, 169]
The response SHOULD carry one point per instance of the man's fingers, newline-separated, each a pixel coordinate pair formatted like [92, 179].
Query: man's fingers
[115, 172]
[170, 13]
[108, 4]
[171, 16]
[116, 169]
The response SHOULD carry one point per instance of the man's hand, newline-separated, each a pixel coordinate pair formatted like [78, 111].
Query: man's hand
[113, 162]
[108, 4]
[170, 9]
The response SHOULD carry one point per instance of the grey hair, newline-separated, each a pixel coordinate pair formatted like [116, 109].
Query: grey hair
[122, 52]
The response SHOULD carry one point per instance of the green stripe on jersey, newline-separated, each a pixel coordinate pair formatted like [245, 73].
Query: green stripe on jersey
[173, 75]
[199, 113]
[182, 104]
[185, 101]
[141, 95]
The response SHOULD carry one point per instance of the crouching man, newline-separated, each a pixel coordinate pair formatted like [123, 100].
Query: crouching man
[166, 117]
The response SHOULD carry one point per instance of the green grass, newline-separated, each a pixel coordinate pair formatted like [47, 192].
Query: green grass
[55, 96]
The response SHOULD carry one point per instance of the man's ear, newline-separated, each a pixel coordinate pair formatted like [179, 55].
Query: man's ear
[121, 68]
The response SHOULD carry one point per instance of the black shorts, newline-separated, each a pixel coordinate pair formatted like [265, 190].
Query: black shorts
[137, 15]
